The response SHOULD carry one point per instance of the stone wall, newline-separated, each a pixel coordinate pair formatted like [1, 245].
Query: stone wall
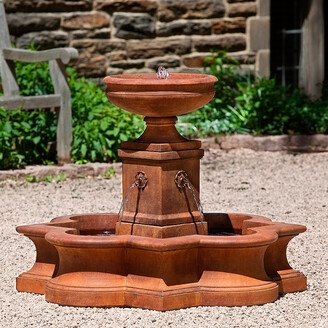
[113, 36]
[258, 31]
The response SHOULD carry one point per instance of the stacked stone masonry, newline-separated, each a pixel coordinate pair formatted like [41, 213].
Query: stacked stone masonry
[113, 36]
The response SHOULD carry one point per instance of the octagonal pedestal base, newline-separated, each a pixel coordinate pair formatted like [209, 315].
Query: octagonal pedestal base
[105, 290]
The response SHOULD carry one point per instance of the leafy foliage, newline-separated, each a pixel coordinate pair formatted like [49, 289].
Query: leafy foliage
[34, 79]
[98, 126]
[243, 103]
[25, 137]
[247, 104]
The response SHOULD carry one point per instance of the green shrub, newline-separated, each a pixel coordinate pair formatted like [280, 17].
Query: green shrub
[98, 126]
[221, 115]
[251, 104]
[34, 79]
[266, 104]
[243, 103]
[25, 137]
[274, 109]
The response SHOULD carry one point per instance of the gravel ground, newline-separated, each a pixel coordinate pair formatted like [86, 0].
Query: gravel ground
[286, 187]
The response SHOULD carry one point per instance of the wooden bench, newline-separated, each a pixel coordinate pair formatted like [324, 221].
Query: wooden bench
[62, 97]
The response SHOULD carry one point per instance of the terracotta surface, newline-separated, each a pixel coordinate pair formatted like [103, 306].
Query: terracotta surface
[161, 274]
[161, 252]
[146, 95]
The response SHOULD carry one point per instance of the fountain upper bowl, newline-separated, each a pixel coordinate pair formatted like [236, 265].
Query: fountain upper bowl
[147, 95]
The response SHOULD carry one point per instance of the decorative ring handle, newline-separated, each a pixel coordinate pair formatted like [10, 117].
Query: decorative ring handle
[141, 180]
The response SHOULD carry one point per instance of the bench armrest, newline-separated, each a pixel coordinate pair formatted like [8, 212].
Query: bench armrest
[28, 56]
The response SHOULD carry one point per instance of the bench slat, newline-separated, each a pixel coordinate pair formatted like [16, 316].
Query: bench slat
[28, 56]
[31, 102]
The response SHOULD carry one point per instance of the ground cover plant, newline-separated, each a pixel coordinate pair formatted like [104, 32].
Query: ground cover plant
[48, 178]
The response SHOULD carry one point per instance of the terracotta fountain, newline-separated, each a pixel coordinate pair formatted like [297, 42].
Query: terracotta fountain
[160, 251]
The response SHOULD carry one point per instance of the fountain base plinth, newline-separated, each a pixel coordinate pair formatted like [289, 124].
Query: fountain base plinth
[168, 231]
[153, 293]
[161, 209]
[82, 262]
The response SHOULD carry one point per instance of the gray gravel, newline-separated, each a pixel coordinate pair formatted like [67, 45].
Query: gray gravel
[286, 187]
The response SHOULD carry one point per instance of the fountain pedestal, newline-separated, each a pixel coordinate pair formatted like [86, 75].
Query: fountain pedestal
[161, 209]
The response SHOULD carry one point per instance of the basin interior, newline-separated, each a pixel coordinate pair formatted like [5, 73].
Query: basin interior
[219, 224]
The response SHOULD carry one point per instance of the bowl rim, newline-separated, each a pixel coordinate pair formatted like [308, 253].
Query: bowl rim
[151, 79]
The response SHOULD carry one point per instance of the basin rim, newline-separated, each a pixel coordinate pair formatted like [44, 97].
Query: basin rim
[147, 79]
[62, 232]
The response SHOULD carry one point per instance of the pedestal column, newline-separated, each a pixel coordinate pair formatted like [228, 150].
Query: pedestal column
[161, 183]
